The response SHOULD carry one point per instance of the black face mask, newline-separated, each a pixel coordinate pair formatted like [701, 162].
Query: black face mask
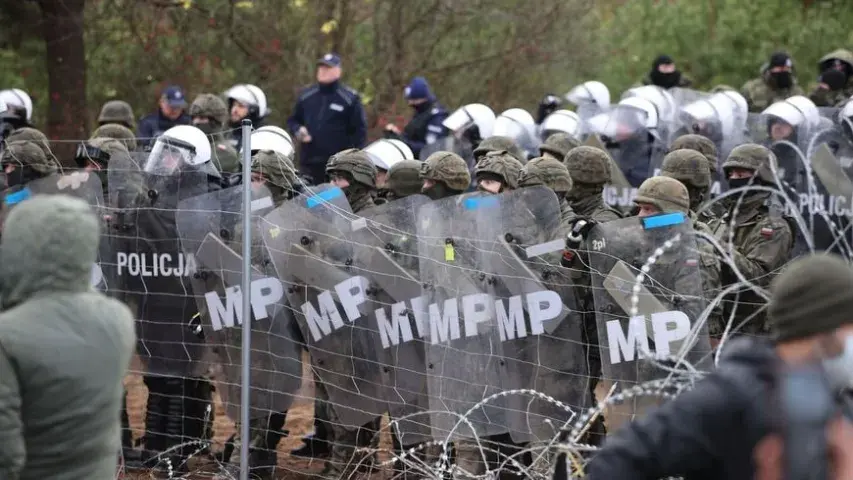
[739, 182]
[208, 128]
[665, 80]
[782, 79]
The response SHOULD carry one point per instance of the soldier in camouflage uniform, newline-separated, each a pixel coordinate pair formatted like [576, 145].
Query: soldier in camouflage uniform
[835, 83]
[114, 149]
[706, 147]
[117, 112]
[117, 132]
[589, 168]
[762, 238]
[497, 172]
[29, 134]
[402, 180]
[277, 173]
[444, 174]
[776, 83]
[552, 173]
[497, 144]
[210, 115]
[557, 146]
[691, 169]
[23, 162]
[353, 172]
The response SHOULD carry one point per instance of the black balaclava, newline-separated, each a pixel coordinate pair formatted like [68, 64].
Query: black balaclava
[209, 128]
[784, 79]
[834, 79]
[664, 80]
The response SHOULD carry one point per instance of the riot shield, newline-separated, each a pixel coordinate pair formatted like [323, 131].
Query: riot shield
[151, 268]
[85, 186]
[464, 354]
[210, 228]
[540, 328]
[826, 209]
[385, 239]
[307, 241]
[660, 316]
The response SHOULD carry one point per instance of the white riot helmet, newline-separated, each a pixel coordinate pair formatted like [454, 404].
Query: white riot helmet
[719, 116]
[660, 98]
[272, 138]
[386, 153]
[17, 99]
[251, 96]
[797, 111]
[183, 146]
[629, 117]
[590, 92]
[565, 121]
[465, 118]
[515, 123]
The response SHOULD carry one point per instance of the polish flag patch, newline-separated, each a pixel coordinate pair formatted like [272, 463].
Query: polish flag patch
[766, 232]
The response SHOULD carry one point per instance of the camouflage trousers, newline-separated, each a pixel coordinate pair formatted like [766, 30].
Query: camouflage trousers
[265, 433]
[412, 461]
[345, 458]
[492, 452]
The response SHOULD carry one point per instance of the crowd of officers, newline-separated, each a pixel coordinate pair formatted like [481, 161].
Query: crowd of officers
[760, 234]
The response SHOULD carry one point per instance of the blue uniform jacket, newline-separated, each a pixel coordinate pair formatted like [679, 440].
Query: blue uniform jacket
[334, 117]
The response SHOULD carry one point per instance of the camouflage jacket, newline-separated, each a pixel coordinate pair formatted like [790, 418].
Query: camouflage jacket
[224, 156]
[594, 207]
[711, 275]
[362, 202]
[762, 243]
[831, 98]
[759, 95]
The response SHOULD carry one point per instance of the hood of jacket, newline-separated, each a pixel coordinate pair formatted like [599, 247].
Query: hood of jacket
[49, 245]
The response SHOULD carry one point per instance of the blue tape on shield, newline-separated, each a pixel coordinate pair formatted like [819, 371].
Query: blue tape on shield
[665, 220]
[323, 197]
[18, 197]
[480, 202]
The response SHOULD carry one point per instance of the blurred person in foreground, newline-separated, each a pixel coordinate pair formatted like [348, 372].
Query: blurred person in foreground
[328, 118]
[712, 430]
[64, 347]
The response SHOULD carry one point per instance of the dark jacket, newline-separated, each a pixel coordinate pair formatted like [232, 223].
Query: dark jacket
[334, 117]
[708, 432]
[425, 127]
[154, 124]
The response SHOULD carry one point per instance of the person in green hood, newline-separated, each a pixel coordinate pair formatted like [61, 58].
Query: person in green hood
[64, 347]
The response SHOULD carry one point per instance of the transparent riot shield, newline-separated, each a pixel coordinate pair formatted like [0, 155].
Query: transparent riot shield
[465, 361]
[210, 227]
[85, 186]
[658, 317]
[826, 209]
[386, 243]
[535, 312]
[152, 271]
[307, 241]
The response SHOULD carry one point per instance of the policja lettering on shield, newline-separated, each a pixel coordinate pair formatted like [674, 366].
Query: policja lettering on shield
[155, 264]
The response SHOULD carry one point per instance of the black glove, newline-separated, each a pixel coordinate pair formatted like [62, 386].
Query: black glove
[548, 105]
[580, 229]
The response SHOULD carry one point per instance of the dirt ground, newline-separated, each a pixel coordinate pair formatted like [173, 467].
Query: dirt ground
[300, 420]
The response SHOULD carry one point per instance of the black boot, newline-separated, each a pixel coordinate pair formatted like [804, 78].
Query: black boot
[316, 445]
[263, 458]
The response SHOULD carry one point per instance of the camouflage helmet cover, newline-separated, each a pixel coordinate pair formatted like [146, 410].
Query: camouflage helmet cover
[751, 156]
[588, 165]
[276, 168]
[27, 153]
[700, 144]
[117, 111]
[546, 171]
[117, 132]
[210, 106]
[404, 178]
[501, 163]
[558, 145]
[498, 143]
[448, 168]
[29, 134]
[667, 194]
[688, 167]
[356, 163]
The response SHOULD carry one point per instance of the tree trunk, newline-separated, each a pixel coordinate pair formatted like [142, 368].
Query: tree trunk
[66, 71]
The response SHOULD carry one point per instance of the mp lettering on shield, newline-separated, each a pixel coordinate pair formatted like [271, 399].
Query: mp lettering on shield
[266, 292]
[438, 322]
[155, 264]
[667, 328]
